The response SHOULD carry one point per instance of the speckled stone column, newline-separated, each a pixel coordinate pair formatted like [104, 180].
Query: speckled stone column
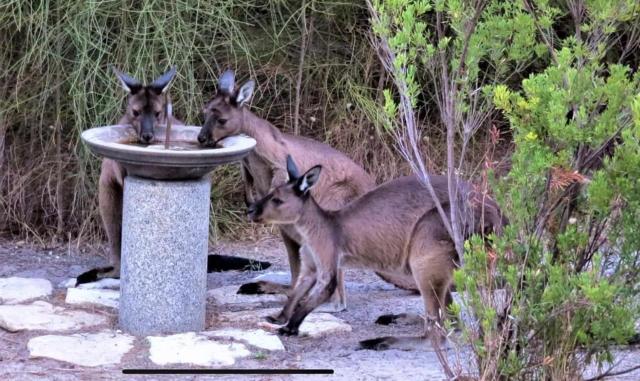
[165, 230]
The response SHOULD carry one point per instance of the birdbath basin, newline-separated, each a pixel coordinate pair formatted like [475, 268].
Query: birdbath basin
[165, 223]
[183, 160]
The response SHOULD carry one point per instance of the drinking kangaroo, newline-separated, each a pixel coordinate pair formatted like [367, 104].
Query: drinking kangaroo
[378, 231]
[264, 169]
[145, 110]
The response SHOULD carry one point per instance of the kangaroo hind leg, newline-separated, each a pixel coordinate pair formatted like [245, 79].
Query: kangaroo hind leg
[267, 287]
[110, 204]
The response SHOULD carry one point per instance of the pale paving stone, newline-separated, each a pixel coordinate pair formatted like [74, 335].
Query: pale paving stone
[106, 283]
[191, 348]
[249, 317]
[103, 297]
[281, 277]
[228, 295]
[256, 337]
[284, 277]
[85, 349]
[15, 290]
[110, 283]
[316, 324]
[41, 315]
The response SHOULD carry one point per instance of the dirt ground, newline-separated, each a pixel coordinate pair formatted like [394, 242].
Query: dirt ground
[368, 297]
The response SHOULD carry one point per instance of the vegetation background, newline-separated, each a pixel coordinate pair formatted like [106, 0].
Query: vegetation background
[536, 101]
[317, 74]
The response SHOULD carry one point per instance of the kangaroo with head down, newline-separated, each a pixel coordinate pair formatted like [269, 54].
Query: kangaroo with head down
[146, 109]
[264, 168]
[394, 229]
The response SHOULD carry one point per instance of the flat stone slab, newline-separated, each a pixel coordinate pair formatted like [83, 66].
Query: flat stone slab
[106, 283]
[255, 337]
[16, 290]
[85, 349]
[99, 296]
[228, 295]
[319, 324]
[192, 348]
[41, 315]
[316, 324]
[281, 277]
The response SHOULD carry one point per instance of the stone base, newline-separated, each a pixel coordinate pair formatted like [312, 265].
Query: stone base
[165, 229]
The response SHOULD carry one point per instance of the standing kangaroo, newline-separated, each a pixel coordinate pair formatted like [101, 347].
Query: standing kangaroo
[146, 108]
[378, 231]
[264, 169]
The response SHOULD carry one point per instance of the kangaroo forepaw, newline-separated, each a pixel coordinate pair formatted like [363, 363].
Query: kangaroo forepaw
[276, 319]
[95, 274]
[253, 288]
[287, 331]
[378, 344]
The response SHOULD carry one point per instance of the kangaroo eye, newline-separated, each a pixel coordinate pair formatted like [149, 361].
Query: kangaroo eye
[277, 201]
[136, 112]
[222, 121]
[157, 114]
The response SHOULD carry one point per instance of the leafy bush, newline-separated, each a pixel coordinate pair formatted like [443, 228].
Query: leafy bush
[553, 292]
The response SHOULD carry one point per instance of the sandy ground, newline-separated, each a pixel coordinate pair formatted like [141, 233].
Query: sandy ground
[368, 297]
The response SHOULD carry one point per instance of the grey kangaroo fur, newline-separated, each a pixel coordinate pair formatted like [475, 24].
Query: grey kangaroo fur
[393, 229]
[145, 110]
[264, 168]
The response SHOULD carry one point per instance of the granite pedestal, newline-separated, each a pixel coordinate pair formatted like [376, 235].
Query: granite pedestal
[165, 229]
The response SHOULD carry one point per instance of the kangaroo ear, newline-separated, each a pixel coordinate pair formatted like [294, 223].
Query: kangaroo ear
[308, 180]
[292, 169]
[227, 82]
[129, 84]
[161, 84]
[245, 93]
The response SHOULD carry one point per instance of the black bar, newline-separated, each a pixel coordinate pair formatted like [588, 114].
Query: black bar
[227, 371]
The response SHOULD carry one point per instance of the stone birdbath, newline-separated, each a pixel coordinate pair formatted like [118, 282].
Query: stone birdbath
[165, 223]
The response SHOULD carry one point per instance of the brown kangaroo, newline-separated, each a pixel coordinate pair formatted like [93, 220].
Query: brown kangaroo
[378, 231]
[264, 168]
[146, 108]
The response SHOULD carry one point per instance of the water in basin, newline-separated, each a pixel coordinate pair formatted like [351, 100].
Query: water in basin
[174, 145]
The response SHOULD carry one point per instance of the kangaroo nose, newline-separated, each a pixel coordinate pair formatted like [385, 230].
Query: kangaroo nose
[202, 139]
[252, 209]
[147, 136]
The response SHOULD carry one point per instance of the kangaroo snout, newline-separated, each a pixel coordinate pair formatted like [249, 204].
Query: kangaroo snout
[202, 138]
[253, 212]
[146, 137]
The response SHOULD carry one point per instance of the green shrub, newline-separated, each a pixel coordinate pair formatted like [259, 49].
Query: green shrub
[559, 287]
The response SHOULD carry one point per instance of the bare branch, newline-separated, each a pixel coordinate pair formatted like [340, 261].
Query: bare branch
[306, 36]
[609, 373]
[407, 139]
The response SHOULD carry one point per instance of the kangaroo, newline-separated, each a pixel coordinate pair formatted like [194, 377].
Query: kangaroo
[378, 231]
[145, 110]
[264, 168]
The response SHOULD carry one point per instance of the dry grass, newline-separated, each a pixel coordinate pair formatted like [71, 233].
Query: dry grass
[55, 83]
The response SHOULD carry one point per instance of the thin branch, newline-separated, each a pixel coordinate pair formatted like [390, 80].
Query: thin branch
[609, 373]
[410, 151]
[305, 39]
[547, 41]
